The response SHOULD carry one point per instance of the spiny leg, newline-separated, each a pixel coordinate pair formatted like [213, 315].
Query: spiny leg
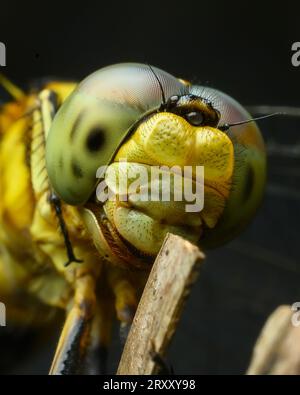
[43, 118]
[74, 340]
[56, 202]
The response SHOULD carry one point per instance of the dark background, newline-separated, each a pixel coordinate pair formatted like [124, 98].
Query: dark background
[243, 50]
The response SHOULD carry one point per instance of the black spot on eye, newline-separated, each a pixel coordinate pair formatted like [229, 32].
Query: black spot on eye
[61, 162]
[95, 139]
[248, 183]
[76, 169]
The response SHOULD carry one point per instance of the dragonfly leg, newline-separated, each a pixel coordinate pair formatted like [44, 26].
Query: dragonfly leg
[56, 202]
[75, 337]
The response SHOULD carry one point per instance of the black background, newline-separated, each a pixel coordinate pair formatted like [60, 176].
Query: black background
[243, 49]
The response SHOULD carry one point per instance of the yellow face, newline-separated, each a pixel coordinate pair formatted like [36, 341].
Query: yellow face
[166, 139]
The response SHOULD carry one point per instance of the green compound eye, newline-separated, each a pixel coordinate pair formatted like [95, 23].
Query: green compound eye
[96, 117]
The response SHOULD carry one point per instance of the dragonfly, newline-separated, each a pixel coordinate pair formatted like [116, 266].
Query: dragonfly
[91, 260]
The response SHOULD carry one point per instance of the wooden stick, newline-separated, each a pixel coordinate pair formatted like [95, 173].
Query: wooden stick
[277, 350]
[174, 271]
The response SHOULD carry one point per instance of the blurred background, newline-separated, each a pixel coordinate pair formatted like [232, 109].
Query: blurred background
[244, 51]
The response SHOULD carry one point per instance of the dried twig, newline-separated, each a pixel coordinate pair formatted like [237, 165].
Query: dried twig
[174, 271]
[277, 350]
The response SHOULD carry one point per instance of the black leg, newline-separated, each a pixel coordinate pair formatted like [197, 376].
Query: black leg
[55, 201]
[70, 355]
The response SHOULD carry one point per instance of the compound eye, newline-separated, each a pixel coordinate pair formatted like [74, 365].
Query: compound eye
[195, 118]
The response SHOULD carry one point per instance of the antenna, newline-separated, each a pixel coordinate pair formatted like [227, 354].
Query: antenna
[226, 126]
